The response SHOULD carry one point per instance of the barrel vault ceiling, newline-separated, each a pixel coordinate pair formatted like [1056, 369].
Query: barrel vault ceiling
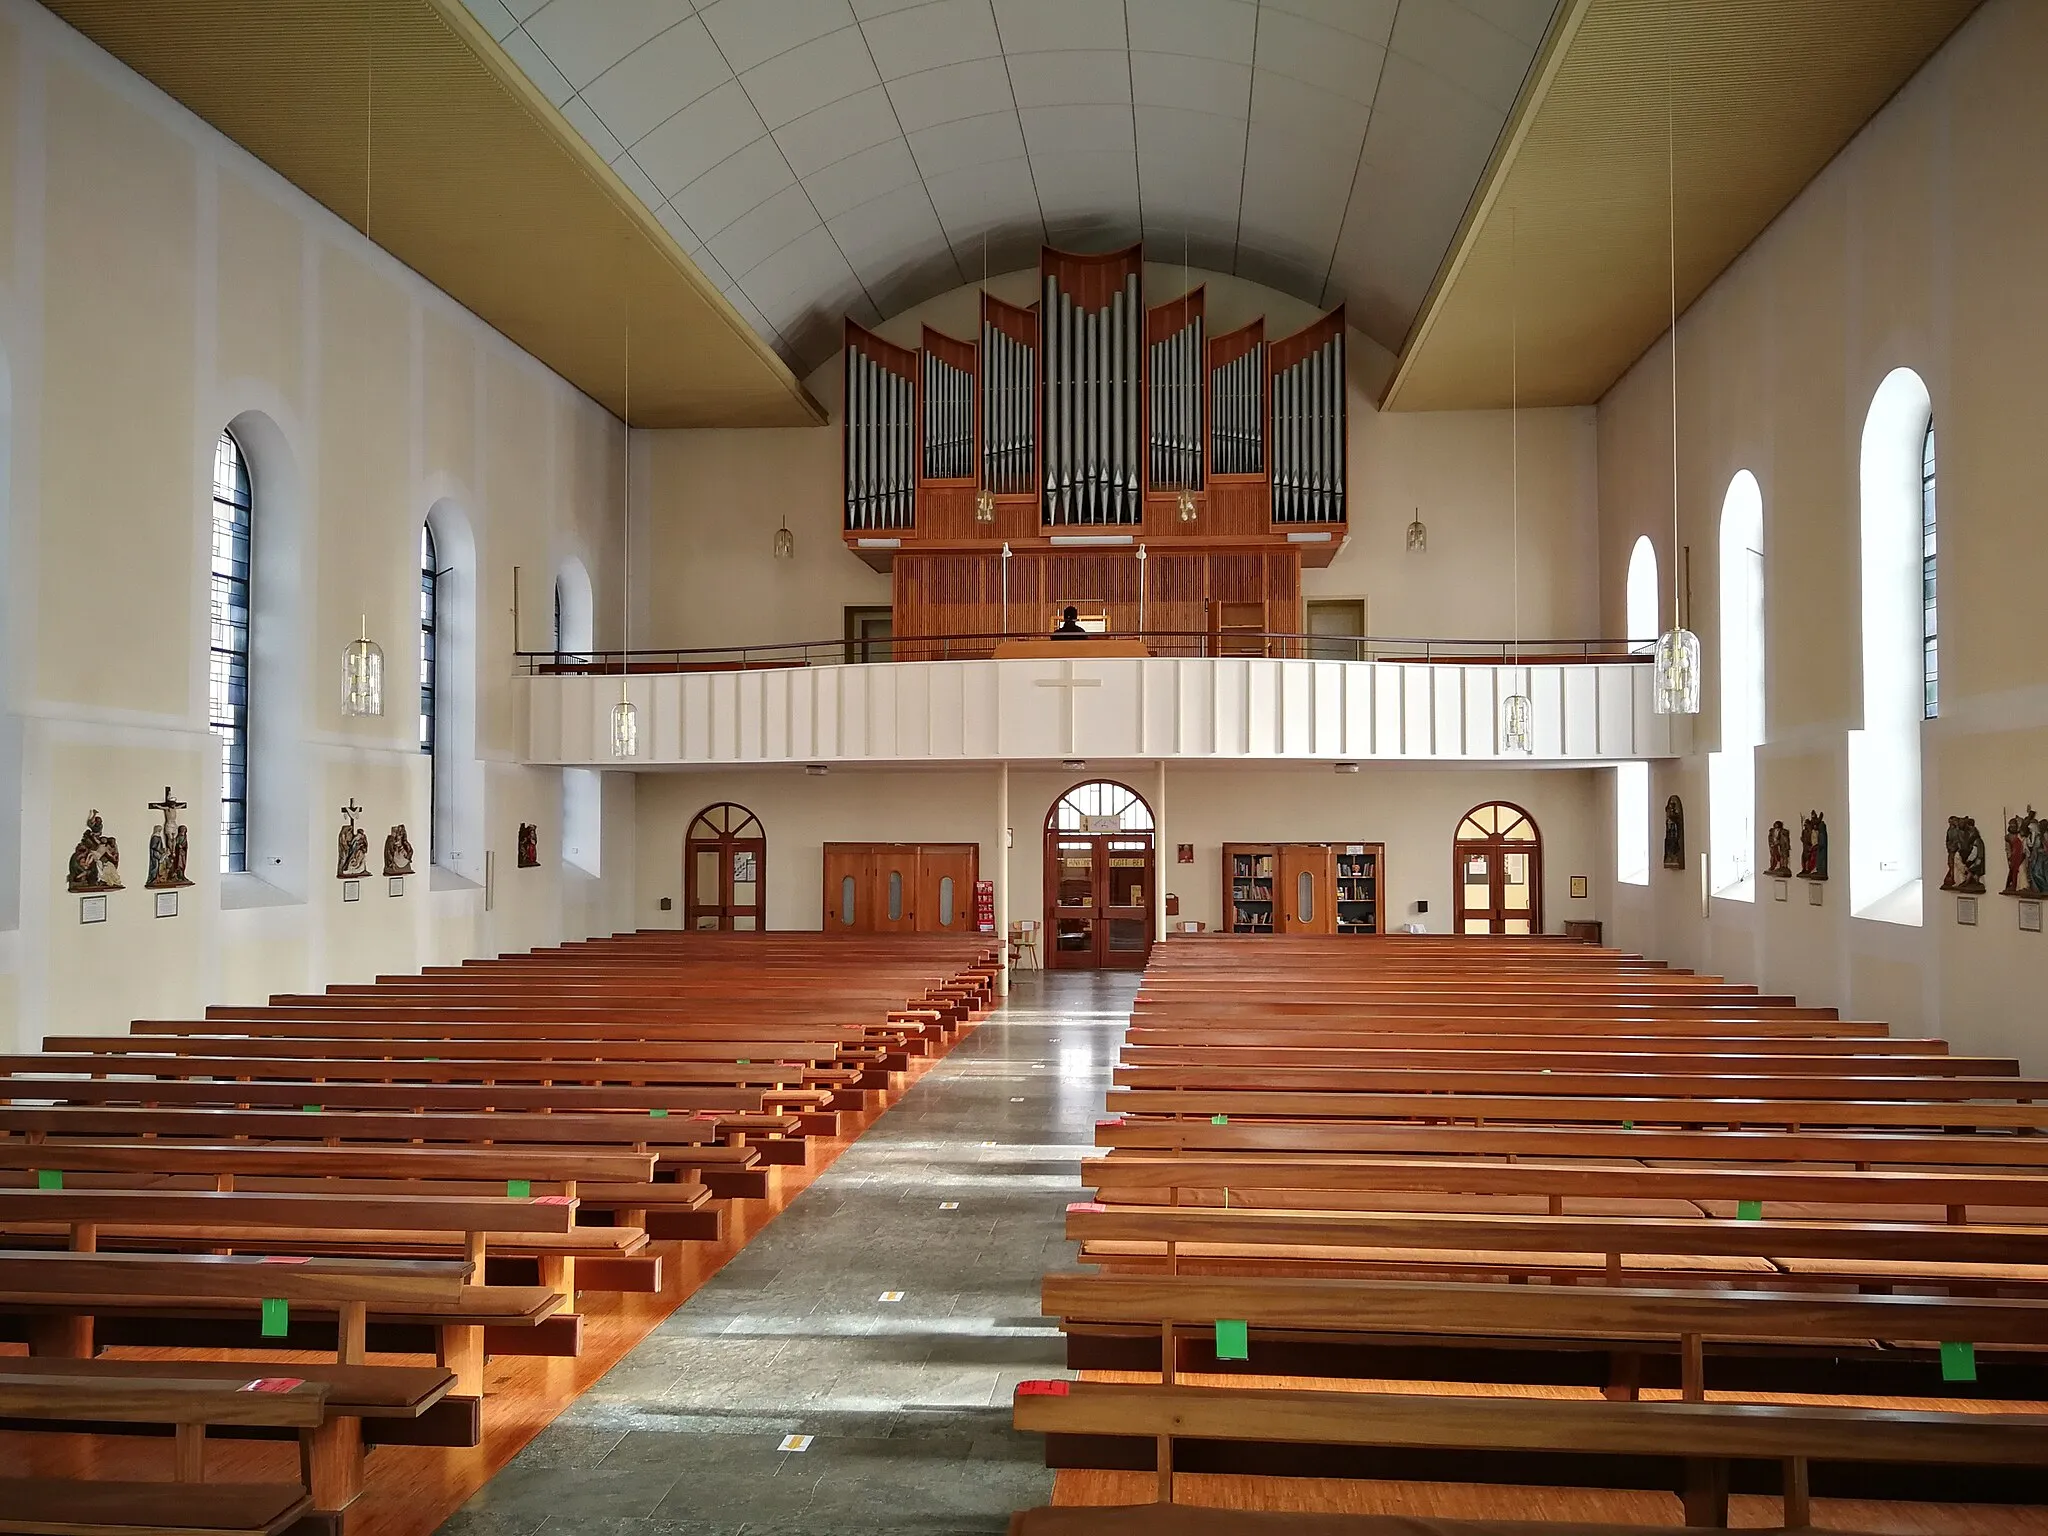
[819, 158]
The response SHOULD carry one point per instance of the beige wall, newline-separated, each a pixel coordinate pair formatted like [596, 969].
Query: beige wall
[1921, 246]
[709, 502]
[1415, 812]
[156, 283]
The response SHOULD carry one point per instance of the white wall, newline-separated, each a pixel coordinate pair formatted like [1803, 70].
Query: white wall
[157, 283]
[1920, 246]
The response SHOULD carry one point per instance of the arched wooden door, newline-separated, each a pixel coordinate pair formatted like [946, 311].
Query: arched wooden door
[1497, 871]
[1099, 884]
[724, 871]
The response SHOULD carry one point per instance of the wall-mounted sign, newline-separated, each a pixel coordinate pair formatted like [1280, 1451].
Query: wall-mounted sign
[92, 909]
[985, 905]
[1102, 823]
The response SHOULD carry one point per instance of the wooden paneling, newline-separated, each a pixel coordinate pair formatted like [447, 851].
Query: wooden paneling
[915, 873]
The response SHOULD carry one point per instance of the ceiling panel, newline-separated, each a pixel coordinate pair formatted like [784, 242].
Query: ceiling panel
[1241, 125]
[1767, 92]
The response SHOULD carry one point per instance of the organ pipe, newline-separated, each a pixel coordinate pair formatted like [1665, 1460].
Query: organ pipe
[1308, 430]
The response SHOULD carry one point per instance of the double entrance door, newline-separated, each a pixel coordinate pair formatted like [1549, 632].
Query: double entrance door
[1098, 900]
[900, 887]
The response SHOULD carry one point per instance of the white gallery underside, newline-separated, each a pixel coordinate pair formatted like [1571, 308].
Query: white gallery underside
[1196, 708]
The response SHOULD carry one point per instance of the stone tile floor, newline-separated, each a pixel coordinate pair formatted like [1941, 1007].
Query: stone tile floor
[908, 1401]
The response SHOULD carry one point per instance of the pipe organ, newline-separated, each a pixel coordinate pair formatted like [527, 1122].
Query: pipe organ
[1174, 361]
[947, 417]
[1087, 414]
[881, 470]
[1308, 425]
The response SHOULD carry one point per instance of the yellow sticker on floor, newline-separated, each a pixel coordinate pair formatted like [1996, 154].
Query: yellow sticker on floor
[795, 1443]
[892, 1295]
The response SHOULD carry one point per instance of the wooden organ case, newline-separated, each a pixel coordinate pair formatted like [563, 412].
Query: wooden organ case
[1089, 449]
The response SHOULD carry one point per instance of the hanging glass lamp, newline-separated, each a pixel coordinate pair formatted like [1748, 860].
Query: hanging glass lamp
[1517, 734]
[1676, 686]
[1418, 534]
[362, 675]
[785, 542]
[625, 726]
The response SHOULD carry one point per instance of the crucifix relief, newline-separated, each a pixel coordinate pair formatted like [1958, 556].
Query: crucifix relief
[352, 851]
[1069, 682]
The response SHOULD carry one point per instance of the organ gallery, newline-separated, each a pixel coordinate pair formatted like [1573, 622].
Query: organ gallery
[1095, 451]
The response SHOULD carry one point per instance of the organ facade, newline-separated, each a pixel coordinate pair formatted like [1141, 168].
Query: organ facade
[1091, 449]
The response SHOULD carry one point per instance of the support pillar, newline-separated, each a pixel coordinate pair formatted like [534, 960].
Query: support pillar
[1002, 869]
[1162, 855]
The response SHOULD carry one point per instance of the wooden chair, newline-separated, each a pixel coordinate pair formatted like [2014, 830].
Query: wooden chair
[1024, 941]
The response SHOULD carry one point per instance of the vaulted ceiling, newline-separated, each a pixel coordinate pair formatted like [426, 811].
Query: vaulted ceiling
[819, 158]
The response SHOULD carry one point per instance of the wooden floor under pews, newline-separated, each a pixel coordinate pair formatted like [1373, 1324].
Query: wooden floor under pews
[357, 1275]
[1521, 1230]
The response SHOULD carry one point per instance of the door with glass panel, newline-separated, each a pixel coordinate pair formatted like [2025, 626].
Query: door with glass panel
[724, 880]
[900, 887]
[1099, 883]
[1308, 875]
[1497, 871]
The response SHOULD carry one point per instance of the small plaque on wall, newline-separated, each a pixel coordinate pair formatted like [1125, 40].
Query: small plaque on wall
[1184, 853]
[92, 909]
[1966, 911]
[1780, 890]
[1813, 893]
[166, 903]
[351, 890]
[394, 885]
[2030, 917]
[1578, 887]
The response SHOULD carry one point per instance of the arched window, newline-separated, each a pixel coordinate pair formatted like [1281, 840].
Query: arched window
[582, 788]
[227, 688]
[1101, 800]
[1731, 772]
[1930, 655]
[724, 876]
[448, 692]
[1498, 871]
[1632, 780]
[1897, 486]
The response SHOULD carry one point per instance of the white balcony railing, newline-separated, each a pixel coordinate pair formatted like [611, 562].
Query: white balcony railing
[1211, 708]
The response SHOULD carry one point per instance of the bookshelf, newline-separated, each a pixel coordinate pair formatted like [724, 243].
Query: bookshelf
[1304, 888]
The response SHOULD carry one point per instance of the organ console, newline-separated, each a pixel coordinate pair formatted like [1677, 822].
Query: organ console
[1089, 420]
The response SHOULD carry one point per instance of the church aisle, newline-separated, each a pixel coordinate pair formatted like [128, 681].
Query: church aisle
[907, 1399]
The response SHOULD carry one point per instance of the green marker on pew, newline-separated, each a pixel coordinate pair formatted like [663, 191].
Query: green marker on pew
[1958, 1362]
[658, 1114]
[1233, 1339]
[277, 1317]
[1749, 1210]
[519, 1189]
[49, 1178]
[1219, 1119]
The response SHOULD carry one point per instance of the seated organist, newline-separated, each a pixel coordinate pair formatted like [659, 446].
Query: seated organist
[1069, 627]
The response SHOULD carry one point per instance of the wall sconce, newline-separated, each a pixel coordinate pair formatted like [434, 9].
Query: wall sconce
[985, 507]
[362, 675]
[785, 542]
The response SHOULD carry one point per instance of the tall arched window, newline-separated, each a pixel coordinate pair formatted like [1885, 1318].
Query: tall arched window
[582, 788]
[1632, 780]
[1731, 772]
[1897, 485]
[227, 688]
[429, 601]
[1930, 655]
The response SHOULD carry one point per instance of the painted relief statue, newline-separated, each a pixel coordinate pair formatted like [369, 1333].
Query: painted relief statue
[1778, 844]
[397, 851]
[1813, 847]
[352, 845]
[96, 861]
[2026, 855]
[168, 844]
[1966, 856]
[1674, 833]
[529, 845]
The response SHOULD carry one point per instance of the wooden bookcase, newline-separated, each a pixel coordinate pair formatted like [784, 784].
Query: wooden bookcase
[1304, 888]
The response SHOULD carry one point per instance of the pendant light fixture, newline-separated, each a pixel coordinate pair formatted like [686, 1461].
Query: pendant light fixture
[1418, 535]
[785, 542]
[1516, 734]
[362, 675]
[625, 718]
[1675, 678]
[362, 661]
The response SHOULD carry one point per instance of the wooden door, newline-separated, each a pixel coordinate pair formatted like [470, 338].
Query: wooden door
[1307, 893]
[946, 873]
[1497, 871]
[894, 883]
[849, 888]
[724, 871]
